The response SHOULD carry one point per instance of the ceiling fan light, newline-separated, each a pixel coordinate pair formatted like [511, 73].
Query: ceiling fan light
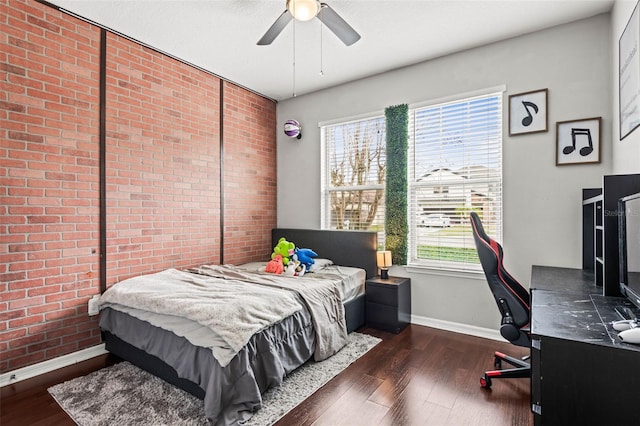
[303, 10]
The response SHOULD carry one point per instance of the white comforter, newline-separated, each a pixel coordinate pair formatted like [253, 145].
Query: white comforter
[234, 304]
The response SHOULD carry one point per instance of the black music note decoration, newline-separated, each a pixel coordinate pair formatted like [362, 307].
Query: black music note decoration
[528, 112]
[578, 141]
[584, 151]
[526, 121]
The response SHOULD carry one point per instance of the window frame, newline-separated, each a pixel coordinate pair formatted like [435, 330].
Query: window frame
[414, 264]
[442, 266]
[325, 220]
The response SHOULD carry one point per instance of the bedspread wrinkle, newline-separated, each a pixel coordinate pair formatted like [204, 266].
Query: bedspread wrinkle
[232, 308]
[321, 294]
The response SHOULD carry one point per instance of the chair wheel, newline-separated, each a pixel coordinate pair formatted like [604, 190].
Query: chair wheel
[485, 382]
[497, 363]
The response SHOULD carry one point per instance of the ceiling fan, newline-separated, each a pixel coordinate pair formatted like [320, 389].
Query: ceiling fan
[305, 10]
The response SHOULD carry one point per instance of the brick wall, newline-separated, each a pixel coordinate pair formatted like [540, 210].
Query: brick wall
[163, 165]
[49, 186]
[163, 183]
[250, 175]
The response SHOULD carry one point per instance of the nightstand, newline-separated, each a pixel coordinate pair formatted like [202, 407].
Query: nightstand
[388, 303]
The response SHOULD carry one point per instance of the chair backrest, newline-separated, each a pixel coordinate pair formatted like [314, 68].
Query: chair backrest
[512, 298]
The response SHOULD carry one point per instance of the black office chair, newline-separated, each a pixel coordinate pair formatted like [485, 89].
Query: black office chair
[512, 300]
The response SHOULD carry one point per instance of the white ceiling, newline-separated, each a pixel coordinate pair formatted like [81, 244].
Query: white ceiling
[220, 35]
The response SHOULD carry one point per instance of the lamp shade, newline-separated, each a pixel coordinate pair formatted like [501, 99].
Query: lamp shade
[384, 259]
[303, 10]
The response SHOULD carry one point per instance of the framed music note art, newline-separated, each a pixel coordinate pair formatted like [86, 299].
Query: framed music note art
[528, 112]
[578, 141]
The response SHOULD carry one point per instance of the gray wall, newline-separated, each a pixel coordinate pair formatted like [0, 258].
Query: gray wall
[542, 202]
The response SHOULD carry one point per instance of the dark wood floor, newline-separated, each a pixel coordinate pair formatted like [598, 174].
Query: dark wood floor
[421, 376]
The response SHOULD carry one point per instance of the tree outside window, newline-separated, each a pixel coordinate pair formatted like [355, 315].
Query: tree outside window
[354, 175]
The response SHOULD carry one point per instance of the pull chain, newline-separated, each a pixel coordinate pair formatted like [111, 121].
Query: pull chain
[294, 58]
[321, 25]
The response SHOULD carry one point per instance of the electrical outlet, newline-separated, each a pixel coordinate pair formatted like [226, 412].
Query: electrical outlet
[94, 309]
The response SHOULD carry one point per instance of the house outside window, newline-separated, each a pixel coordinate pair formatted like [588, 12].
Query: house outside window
[455, 166]
[441, 190]
[353, 175]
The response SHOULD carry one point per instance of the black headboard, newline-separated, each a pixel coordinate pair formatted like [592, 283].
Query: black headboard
[347, 248]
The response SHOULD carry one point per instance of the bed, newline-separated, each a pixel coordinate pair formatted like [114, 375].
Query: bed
[231, 383]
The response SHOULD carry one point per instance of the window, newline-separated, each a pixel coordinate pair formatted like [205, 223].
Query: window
[353, 175]
[455, 166]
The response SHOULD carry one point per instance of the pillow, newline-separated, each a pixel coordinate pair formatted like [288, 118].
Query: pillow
[253, 266]
[320, 264]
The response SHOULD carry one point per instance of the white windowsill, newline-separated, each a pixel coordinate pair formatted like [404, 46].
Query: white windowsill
[425, 270]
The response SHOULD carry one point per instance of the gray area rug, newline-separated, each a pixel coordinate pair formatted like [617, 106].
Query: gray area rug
[126, 395]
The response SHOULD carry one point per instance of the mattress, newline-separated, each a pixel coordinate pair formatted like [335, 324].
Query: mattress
[350, 287]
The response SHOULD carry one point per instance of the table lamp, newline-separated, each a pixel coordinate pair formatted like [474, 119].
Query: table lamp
[384, 261]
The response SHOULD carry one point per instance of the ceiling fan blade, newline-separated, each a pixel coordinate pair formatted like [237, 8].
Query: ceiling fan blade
[275, 29]
[337, 25]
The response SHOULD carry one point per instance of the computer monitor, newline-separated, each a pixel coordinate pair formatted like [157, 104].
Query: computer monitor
[629, 247]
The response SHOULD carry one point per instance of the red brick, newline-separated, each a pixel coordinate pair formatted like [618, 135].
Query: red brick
[23, 361]
[21, 322]
[12, 334]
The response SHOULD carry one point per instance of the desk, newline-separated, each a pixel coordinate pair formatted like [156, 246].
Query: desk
[580, 372]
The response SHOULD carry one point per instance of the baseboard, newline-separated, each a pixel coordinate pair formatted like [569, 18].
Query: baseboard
[30, 371]
[457, 327]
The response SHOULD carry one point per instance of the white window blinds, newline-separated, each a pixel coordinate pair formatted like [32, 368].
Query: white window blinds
[455, 166]
[353, 175]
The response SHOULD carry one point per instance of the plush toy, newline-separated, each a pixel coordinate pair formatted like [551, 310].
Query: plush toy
[290, 270]
[305, 256]
[275, 265]
[300, 270]
[295, 268]
[285, 249]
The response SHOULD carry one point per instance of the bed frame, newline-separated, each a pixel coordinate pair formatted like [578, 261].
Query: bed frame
[347, 248]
